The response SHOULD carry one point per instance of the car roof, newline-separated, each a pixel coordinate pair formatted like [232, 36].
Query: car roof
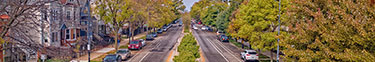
[250, 50]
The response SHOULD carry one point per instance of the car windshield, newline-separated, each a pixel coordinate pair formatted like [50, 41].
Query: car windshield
[122, 51]
[110, 58]
[134, 42]
[251, 53]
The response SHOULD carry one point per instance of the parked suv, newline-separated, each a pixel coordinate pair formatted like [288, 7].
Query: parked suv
[112, 58]
[136, 44]
[124, 53]
[249, 55]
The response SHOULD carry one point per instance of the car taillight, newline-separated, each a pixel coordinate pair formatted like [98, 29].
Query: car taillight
[223, 39]
[257, 54]
[136, 45]
[247, 54]
[128, 45]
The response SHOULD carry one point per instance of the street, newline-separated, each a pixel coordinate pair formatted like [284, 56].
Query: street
[157, 50]
[214, 50]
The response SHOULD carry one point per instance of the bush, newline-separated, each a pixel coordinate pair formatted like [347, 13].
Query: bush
[186, 29]
[188, 49]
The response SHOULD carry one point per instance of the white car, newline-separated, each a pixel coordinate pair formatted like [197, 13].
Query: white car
[204, 28]
[194, 27]
[249, 55]
[143, 42]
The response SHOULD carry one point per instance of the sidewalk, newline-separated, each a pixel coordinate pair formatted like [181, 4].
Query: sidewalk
[96, 54]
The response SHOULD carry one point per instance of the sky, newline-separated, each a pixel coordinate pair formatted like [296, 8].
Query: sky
[189, 3]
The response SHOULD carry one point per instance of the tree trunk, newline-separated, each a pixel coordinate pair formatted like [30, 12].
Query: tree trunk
[116, 42]
[129, 34]
[271, 55]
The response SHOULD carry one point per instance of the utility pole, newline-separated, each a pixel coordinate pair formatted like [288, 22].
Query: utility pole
[278, 33]
[89, 30]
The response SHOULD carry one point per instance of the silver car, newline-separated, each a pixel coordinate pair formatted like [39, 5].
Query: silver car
[124, 53]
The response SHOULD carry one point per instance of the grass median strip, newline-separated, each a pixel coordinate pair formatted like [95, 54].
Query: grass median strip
[188, 49]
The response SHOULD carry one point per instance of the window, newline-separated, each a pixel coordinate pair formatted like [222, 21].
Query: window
[67, 34]
[53, 37]
[74, 33]
[68, 15]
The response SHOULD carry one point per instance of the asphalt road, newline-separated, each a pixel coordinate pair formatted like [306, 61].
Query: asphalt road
[157, 50]
[215, 50]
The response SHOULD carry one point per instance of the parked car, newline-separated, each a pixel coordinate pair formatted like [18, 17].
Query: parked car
[169, 25]
[112, 58]
[160, 31]
[135, 44]
[154, 34]
[249, 55]
[180, 24]
[223, 38]
[219, 32]
[143, 42]
[209, 29]
[195, 27]
[124, 53]
[204, 28]
[165, 28]
[149, 37]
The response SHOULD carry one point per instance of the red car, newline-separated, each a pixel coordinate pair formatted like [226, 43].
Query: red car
[136, 44]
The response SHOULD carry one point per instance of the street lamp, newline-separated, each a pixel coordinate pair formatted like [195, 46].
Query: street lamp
[278, 33]
[89, 30]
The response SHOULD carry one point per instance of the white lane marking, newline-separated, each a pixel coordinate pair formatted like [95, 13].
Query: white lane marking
[143, 57]
[215, 47]
[225, 48]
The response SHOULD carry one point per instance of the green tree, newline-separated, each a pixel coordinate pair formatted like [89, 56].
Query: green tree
[116, 13]
[209, 14]
[197, 8]
[256, 22]
[223, 19]
[330, 30]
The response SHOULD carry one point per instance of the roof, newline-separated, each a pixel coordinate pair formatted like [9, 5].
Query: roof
[62, 1]
[250, 50]
[63, 26]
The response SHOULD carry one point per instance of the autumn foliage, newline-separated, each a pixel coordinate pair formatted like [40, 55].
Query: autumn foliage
[330, 30]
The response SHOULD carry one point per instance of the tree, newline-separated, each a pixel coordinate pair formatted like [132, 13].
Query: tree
[18, 32]
[223, 18]
[256, 22]
[197, 8]
[330, 30]
[209, 14]
[116, 13]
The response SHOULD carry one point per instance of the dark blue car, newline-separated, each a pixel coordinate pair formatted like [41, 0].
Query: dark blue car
[223, 38]
[154, 34]
[112, 58]
[160, 31]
